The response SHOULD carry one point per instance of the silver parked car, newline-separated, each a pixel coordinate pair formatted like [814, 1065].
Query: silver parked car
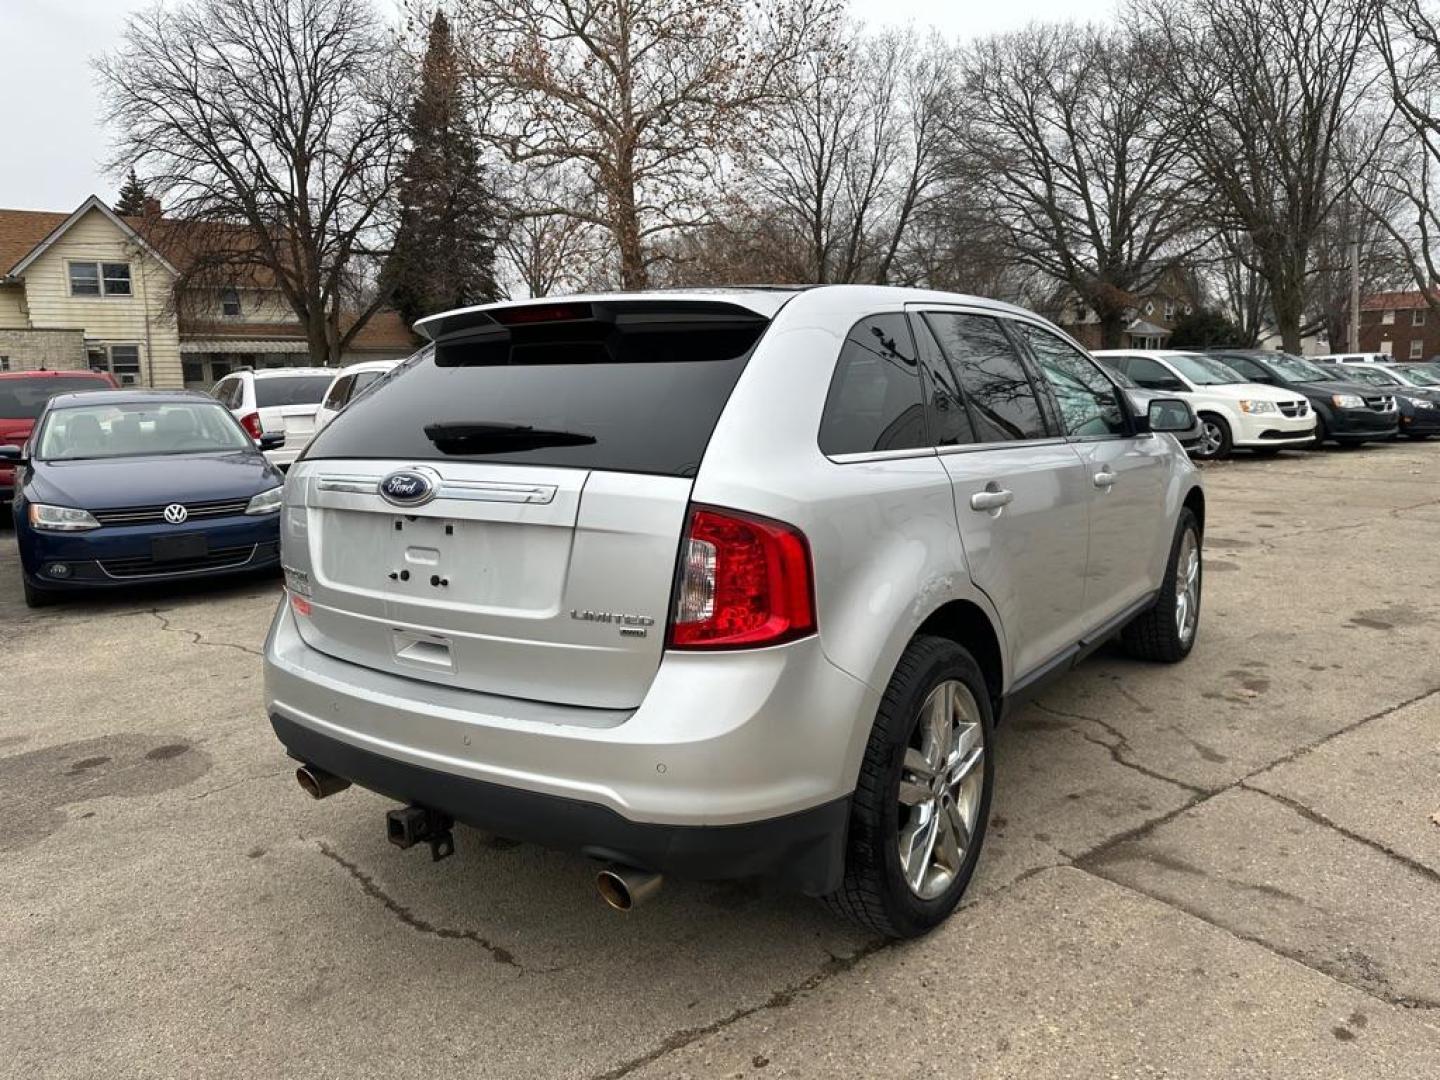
[722, 583]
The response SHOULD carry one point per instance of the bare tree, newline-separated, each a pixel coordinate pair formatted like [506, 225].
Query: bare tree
[650, 98]
[1243, 293]
[1408, 39]
[272, 130]
[1080, 169]
[1272, 87]
[548, 251]
[857, 150]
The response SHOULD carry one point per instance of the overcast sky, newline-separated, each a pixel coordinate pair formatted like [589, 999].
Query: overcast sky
[52, 146]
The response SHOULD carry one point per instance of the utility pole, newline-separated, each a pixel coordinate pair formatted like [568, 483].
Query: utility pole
[1354, 319]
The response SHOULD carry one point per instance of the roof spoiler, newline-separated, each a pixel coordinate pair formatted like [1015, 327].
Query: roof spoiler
[648, 310]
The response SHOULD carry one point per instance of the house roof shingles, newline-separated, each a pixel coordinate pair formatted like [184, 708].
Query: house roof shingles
[21, 231]
[1393, 301]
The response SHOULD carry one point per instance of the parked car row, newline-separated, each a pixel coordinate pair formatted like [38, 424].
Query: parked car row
[114, 487]
[1266, 401]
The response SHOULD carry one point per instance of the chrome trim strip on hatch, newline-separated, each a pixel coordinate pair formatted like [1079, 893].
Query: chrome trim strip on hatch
[463, 490]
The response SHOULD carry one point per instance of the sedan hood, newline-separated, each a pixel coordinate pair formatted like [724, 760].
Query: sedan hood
[112, 483]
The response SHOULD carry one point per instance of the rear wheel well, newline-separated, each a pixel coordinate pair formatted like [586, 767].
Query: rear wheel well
[1195, 503]
[968, 626]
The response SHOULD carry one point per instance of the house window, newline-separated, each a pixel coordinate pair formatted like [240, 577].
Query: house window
[1417, 317]
[122, 361]
[99, 279]
[1386, 347]
[230, 303]
[4, 363]
[1149, 308]
[1169, 310]
[1387, 317]
[1415, 348]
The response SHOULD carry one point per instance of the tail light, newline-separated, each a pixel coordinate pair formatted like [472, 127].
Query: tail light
[251, 423]
[745, 581]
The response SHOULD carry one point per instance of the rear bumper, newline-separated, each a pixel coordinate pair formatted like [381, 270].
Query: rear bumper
[720, 739]
[804, 850]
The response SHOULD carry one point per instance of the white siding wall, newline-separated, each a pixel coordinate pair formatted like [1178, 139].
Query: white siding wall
[12, 308]
[139, 319]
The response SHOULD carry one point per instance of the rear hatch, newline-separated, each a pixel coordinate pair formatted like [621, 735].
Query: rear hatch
[504, 512]
[289, 404]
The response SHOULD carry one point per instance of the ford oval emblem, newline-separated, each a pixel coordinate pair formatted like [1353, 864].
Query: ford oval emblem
[407, 488]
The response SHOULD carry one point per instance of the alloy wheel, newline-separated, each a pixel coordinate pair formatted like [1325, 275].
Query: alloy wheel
[1210, 439]
[941, 783]
[1187, 587]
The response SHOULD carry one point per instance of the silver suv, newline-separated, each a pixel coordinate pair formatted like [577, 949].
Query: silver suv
[722, 583]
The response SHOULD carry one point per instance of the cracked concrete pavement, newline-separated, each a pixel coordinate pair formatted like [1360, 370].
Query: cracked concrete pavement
[1228, 868]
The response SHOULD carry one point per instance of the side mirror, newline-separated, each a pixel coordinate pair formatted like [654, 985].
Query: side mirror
[1172, 415]
[270, 440]
[12, 454]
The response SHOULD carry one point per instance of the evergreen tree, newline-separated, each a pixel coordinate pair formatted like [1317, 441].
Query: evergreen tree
[444, 254]
[131, 200]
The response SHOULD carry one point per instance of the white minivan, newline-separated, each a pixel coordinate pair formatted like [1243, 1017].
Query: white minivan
[348, 384]
[1233, 413]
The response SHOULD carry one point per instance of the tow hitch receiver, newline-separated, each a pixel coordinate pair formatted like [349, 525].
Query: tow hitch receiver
[407, 826]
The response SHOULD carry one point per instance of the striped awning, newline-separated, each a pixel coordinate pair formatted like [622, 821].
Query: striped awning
[269, 346]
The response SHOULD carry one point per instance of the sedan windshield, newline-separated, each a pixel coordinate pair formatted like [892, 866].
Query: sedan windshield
[139, 430]
[1204, 370]
[1297, 370]
[1362, 374]
[1421, 375]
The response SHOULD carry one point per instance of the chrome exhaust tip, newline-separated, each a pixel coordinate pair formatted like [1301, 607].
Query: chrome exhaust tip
[319, 784]
[625, 888]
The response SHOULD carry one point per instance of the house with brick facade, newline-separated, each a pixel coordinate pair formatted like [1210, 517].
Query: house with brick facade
[91, 289]
[1399, 324]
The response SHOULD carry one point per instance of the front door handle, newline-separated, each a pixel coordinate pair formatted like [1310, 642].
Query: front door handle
[1105, 479]
[992, 498]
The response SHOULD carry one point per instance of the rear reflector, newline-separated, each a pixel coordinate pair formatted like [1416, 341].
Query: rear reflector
[745, 581]
[300, 604]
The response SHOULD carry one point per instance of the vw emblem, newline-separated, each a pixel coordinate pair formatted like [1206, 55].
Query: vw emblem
[176, 514]
[407, 488]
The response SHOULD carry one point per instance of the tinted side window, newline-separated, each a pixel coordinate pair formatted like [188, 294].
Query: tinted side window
[948, 420]
[339, 393]
[291, 390]
[1089, 402]
[1152, 376]
[1002, 402]
[875, 399]
[1245, 366]
[224, 392]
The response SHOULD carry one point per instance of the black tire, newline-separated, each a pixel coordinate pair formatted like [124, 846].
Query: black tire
[874, 892]
[1222, 431]
[1322, 433]
[1155, 634]
[36, 598]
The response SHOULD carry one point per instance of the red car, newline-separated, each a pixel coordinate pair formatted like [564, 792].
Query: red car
[23, 394]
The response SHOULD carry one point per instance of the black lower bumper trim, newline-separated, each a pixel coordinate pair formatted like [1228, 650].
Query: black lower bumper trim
[804, 851]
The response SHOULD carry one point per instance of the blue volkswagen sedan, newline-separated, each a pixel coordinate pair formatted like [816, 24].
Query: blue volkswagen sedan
[126, 487]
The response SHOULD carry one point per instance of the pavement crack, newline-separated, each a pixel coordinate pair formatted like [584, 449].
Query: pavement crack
[199, 639]
[1120, 750]
[1316, 818]
[780, 999]
[1371, 983]
[237, 783]
[409, 918]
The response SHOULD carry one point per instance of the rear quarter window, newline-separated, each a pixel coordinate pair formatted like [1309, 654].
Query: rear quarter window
[625, 396]
[875, 401]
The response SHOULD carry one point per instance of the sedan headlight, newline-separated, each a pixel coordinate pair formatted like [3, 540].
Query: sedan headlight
[61, 518]
[1258, 407]
[1422, 403]
[267, 502]
[1347, 401]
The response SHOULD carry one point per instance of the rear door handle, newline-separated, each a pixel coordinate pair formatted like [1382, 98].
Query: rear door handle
[992, 498]
[1104, 479]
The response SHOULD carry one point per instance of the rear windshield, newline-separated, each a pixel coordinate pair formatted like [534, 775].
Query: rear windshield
[291, 390]
[637, 396]
[23, 399]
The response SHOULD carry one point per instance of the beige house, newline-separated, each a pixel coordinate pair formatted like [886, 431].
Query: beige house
[88, 289]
